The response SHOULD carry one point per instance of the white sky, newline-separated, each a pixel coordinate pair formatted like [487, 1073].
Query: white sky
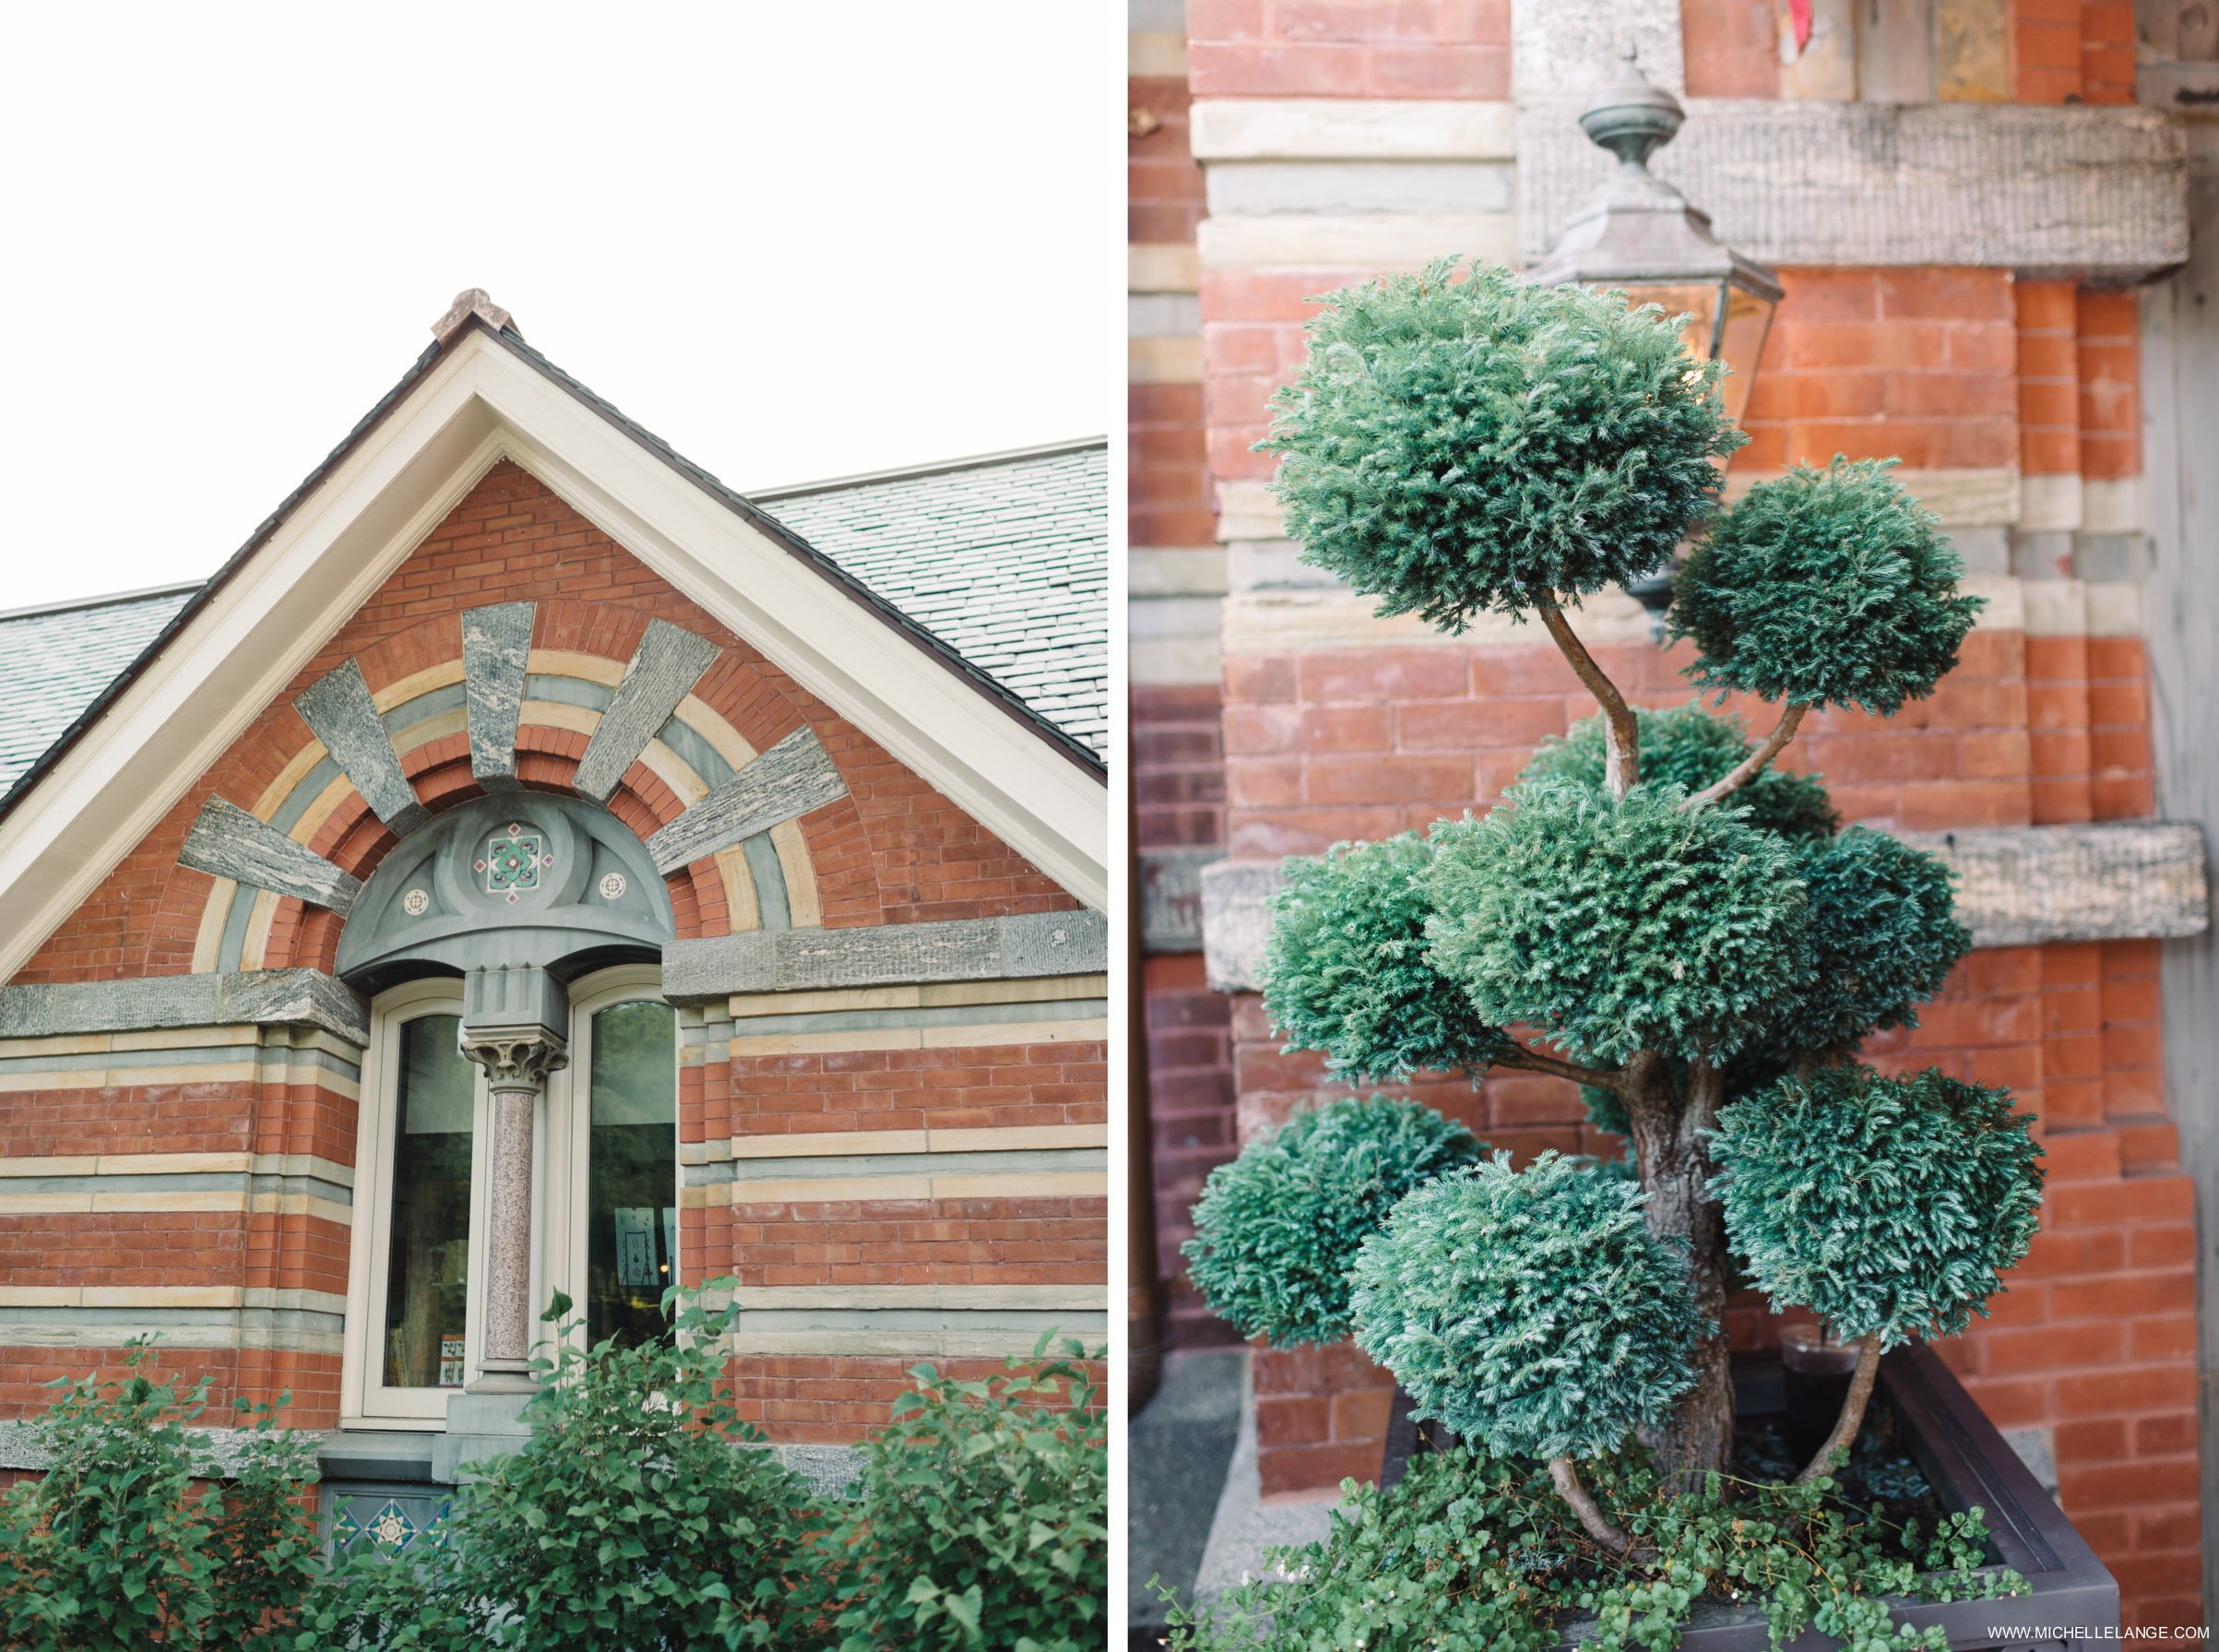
[794, 241]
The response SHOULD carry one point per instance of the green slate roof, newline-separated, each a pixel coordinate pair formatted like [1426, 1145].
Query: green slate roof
[1004, 559]
[54, 660]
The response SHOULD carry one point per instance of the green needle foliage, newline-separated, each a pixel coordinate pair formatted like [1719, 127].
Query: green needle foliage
[1889, 1206]
[1453, 447]
[1473, 1552]
[1277, 1228]
[1883, 938]
[1347, 973]
[1533, 1311]
[1825, 587]
[1619, 926]
[1691, 746]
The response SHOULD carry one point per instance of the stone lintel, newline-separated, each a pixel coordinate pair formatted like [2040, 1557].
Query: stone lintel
[1028, 946]
[262, 997]
[2016, 887]
[496, 643]
[663, 669]
[226, 841]
[340, 711]
[786, 781]
[2096, 193]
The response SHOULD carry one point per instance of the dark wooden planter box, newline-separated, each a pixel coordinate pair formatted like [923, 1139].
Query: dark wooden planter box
[1966, 1462]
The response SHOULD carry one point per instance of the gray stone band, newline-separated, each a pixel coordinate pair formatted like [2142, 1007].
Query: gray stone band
[664, 668]
[2097, 193]
[1034, 944]
[496, 644]
[260, 997]
[2017, 886]
[338, 708]
[792, 778]
[226, 841]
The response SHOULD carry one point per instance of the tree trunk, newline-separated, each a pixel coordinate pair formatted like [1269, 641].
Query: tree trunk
[1675, 1173]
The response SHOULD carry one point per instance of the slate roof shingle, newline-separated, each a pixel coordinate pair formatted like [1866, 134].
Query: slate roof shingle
[1005, 561]
[54, 660]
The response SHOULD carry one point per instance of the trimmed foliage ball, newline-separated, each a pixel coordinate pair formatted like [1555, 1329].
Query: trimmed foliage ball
[1690, 745]
[1532, 1311]
[1276, 1228]
[1825, 587]
[1346, 970]
[1452, 448]
[1883, 938]
[1888, 1206]
[1619, 926]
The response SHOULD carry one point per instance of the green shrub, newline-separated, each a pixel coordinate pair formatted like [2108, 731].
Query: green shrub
[1619, 926]
[1689, 746]
[1884, 937]
[1889, 1206]
[1825, 587]
[1472, 1553]
[1533, 1311]
[1346, 971]
[1277, 1229]
[981, 1521]
[635, 1518]
[112, 1549]
[1458, 446]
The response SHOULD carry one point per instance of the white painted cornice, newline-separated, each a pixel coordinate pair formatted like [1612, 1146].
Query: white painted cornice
[476, 405]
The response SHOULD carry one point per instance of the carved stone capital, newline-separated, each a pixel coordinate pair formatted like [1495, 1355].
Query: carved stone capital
[516, 1058]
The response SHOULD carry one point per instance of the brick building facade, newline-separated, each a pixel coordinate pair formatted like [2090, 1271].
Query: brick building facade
[1993, 334]
[831, 833]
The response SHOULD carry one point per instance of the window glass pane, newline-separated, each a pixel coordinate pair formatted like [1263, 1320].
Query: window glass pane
[427, 1273]
[632, 1171]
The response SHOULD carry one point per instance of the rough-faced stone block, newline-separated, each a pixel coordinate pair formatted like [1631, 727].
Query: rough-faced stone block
[668, 662]
[2016, 887]
[226, 841]
[2096, 193]
[496, 642]
[264, 997]
[1054, 944]
[1022, 947]
[338, 708]
[792, 778]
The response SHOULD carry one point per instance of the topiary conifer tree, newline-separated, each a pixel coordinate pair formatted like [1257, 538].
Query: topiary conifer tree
[1276, 1228]
[1655, 911]
[1890, 1205]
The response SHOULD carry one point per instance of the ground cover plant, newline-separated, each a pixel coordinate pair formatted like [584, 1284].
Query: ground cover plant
[1655, 912]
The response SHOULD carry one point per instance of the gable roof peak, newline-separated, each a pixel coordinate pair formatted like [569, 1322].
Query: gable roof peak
[469, 302]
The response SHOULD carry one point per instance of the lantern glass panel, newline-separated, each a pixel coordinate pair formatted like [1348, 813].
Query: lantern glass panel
[1742, 344]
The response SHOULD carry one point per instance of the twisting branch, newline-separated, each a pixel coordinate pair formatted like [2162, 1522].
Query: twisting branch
[1743, 772]
[1853, 1411]
[1597, 1524]
[1527, 1059]
[1621, 753]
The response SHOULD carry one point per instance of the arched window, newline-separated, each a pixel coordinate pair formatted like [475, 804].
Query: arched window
[605, 1172]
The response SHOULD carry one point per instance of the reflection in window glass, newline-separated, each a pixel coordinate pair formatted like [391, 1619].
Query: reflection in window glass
[632, 1175]
[427, 1273]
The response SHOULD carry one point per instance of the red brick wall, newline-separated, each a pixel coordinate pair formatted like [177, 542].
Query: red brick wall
[1350, 48]
[893, 851]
